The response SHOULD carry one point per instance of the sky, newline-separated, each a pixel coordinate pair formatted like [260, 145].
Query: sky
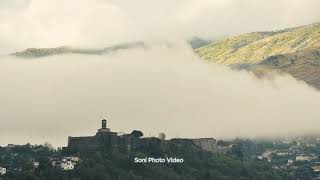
[159, 89]
[99, 23]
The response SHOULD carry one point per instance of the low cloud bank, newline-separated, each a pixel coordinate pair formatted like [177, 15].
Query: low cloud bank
[161, 89]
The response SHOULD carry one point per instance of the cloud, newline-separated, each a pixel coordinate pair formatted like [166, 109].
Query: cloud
[96, 23]
[161, 89]
[14, 4]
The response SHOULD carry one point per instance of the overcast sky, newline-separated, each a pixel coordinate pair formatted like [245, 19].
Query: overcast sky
[160, 89]
[96, 23]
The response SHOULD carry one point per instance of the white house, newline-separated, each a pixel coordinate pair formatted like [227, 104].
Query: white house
[67, 165]
[282, 153]
[303, 158]
[267, 154]
[316, 168]
[36, 164]
[73, 158]
[3, 171]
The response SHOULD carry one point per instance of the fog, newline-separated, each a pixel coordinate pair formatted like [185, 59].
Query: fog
[100, 23]
[160, 89]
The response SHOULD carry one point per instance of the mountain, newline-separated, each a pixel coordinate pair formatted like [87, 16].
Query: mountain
[302, 65]
[42, 52]
[295, 51]
[194, 42]
[256, 46]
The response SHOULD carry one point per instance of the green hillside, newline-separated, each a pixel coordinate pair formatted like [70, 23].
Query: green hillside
[118, 164]
[254, 47]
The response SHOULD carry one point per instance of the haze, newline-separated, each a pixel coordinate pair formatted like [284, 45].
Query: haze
[161, 89]
[158, 89]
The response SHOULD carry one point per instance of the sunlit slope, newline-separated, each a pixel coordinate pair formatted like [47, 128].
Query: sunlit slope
[254, 47]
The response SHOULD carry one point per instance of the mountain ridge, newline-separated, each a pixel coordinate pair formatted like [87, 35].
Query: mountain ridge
[254, 47]
[42, 52]
[294, 51]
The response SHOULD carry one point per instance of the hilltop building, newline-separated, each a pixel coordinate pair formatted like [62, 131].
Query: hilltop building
[106, 139]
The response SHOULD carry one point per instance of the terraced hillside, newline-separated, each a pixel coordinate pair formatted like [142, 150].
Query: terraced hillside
[254, 47]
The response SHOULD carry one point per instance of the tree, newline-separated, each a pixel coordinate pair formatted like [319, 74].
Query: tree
[162, 136]
[49, 146]
[137, 133]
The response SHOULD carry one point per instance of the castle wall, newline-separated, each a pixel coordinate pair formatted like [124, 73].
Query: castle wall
[206, 144]
[100, 140]
[79, 143]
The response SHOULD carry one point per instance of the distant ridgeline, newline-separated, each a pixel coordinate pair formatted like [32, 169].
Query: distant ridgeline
[295, 51]
[105, 139]
[42, 52]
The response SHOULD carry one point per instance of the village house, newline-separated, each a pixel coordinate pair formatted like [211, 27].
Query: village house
[316, 168]
[306, 157]
[67, 165]
[3, 171]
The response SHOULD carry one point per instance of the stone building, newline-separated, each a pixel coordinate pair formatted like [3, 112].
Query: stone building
[106, 139]
[103, 138]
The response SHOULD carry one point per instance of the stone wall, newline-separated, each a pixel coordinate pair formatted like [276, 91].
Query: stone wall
[206, 144]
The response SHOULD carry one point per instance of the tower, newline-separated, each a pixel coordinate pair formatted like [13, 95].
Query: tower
[104, 128]
[104, 124]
